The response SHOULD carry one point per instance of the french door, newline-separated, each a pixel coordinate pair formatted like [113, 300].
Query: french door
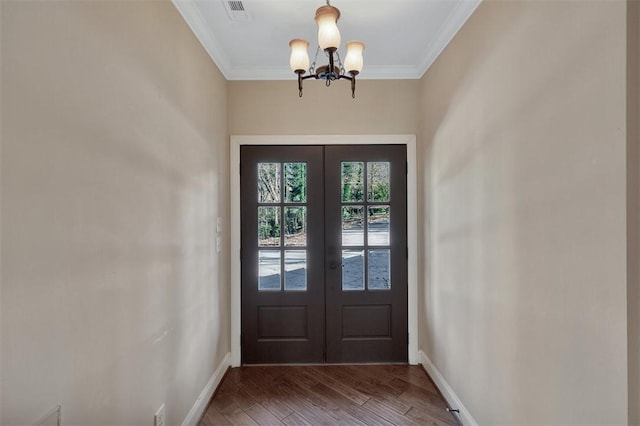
[324, 254]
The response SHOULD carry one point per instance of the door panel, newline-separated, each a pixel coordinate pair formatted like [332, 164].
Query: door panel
[324, 273]
[282, 236]
[366, 276]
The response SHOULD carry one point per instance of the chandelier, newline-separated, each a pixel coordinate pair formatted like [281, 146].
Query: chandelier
[329, 41]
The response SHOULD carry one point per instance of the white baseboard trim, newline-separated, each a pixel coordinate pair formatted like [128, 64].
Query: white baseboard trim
[452, 399]
[203, 399]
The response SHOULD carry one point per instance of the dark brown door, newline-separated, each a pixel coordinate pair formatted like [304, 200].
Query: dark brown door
[282, 254]
[366, 250]
[324, 273]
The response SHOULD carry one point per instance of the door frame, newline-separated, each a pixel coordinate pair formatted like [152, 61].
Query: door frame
[412, 220]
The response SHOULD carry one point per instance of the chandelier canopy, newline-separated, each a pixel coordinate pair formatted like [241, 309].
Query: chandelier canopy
[329, 41]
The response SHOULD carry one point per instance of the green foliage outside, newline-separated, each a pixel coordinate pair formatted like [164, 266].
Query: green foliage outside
[352, 181]
[378, 186]
[269, 191]
[295, 191]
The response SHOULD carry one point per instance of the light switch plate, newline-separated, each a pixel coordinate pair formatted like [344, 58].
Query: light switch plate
[159, 417]
[219, 225]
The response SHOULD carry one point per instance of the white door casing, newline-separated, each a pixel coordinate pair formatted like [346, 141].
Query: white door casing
[412, 220]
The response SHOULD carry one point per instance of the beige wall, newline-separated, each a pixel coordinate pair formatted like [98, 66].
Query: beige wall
[633, 206]
[115, 164]
[114, 168]
[523, 122]
[273, 107]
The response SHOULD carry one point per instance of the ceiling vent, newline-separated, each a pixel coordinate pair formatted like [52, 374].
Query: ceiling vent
[236, 11]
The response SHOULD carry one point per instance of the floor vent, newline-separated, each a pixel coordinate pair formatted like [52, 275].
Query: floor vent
[236, 11]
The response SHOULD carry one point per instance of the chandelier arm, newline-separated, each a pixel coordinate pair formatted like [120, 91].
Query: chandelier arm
[353, 87]
[300, 83]
[301, 78]
[330, 66]
[352, 79]
[331, 60]
[333, 75]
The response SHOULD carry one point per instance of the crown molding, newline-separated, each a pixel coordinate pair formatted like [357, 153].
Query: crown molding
[371, 72]
[193, 16]
[389, 72]
[261, 73]
[448, 30]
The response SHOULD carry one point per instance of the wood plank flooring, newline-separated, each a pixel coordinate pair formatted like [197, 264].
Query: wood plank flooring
[327, 395]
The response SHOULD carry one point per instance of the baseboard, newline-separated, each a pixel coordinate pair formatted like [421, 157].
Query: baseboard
[205, 396]
[452, 399]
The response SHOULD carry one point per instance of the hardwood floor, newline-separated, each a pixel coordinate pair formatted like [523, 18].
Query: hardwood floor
[327, 395]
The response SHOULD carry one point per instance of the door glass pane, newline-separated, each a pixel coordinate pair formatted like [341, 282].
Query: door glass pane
[268, 226]
[295, 226]
[352, 225]
[353, 269]
[295, 182]
[295, 270]
[378, 181]
[379, 270]
[378, 226]
[352, 181]
[268, 182]
[269, 270]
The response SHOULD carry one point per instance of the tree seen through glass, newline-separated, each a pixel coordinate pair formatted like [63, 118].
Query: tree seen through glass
[272, 220]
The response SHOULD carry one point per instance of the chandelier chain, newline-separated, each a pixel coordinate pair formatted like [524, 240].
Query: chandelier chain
[342, 72]
[312, 68]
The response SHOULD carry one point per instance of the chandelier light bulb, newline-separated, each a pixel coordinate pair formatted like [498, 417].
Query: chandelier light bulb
[328, 34]
[299, 60]
[353, 62]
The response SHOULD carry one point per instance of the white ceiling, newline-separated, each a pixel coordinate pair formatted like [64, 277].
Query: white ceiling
[402, 37]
